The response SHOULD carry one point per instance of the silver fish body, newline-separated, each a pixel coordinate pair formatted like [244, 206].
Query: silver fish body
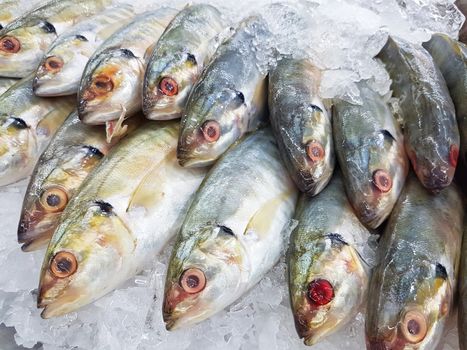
[10, 10]
[112, 81]
[178, 59]
[232, 234]
[6, 83]
[301, 123]
[62, 65]
[412, 288]
[27, 124]
[229, 99]
[123, 214]
[370, 149]
[429, 119]
[24, 40]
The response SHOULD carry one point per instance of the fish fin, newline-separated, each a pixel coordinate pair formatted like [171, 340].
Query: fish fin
[115, 128]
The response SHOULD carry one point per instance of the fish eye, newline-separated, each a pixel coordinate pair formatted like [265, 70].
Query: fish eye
[10, 44]
[102, 83]
[168, 86]
[382, 180]
[193, 280]
[63, 264]
[414, 326]
[240, 96]
[314, 151]
[453, 155]
[211, 130]
[47, 27]
[54, 199]
[320, 292]
[53, 64]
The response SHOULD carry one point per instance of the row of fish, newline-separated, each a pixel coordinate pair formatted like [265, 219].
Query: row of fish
[145, 182]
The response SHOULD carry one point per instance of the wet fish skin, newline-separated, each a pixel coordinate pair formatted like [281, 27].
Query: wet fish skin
[429, 119]
[230, 98]
[24, 40]
[232, 234]
[10, 10]
[62, 65]
[412, 287]
[75, 150]
[327, 249]
[112, 81]
[6, 83]
[301, 123]
[462, 311]
[120, 218]
[27, 124]
[370, 148]
[181, 53]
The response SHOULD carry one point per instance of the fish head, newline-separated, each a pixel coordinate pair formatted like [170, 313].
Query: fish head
[113, 85]
[203, 277]
[85, 259]
[168, 81]
[328, 290]
[412, 313]
[210, 125]
[61, 68]
[49, 192]
[22, 47]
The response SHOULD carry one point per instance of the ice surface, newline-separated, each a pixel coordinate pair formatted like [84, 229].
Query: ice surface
[341, 37]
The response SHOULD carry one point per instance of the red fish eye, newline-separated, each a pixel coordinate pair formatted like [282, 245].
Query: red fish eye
[320, 292]
[314, 151]
[453, 155]
[211, 130]
[414, 327]
[382, 180]
[103, 83]
[193, 280]
[10, 44]
[63, 264]
[168, 86]
[53, 64]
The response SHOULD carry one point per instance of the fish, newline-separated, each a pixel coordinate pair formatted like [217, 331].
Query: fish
[229, 99]
[462, 286]
[451, 58]
[301, 123]
[24, 40]
[327, 263]
[112, 82]
[178, 58]
[75, 150]
[60, 70]
[233, 233]
[6, 83]
[412, 287]
[125, 211]
[10, 10]
[370, 150]
[428, 115]
[27, 124]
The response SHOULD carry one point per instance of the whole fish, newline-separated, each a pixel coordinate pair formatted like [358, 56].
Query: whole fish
[451, 58]
[429, 119]
[370, 149]
[73, 153]
[230, 97]
[24, 41]
[232, 234]
[10, 10]
[112, 82]
[178, 60]
[62, 66]
[301, 124]
[27, 124]
[328, 276]
[412, 287]
[462, 286]
[6, 83]
[124, 213]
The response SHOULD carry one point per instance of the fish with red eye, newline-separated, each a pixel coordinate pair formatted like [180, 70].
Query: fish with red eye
[211, 130]
[53, 64]
[320, 292]
[315, 151]
[168, 86]
[10, 44]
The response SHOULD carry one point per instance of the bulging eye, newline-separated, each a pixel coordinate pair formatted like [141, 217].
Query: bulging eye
[168, 86]
[54, 199]
[211, 130]
[314, 151]
[10, 44]
[102, 84]
[193, 280]
[382, 180]
[63, 264]
[320, 292]
[414, 326]
[53, 64]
